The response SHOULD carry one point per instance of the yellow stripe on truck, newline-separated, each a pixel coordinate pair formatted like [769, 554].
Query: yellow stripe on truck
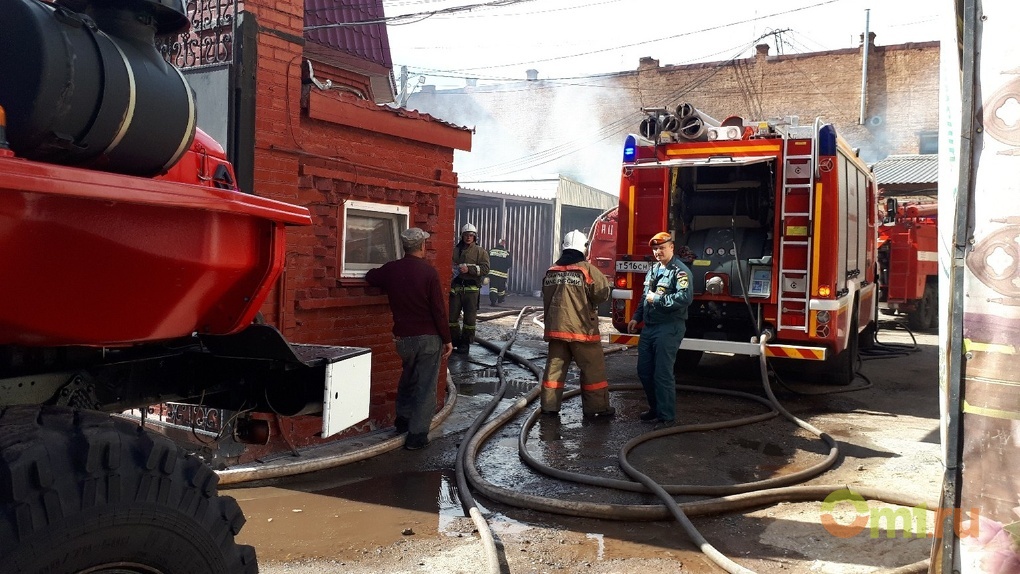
[629, 340]
[793, 352]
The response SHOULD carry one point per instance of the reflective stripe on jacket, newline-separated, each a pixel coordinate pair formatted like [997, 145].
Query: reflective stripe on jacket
[571, 295]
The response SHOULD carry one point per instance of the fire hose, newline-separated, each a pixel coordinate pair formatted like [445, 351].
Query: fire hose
[728, 498]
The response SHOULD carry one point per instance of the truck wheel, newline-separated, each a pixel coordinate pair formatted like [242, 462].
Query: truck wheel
[686, 361]
[842, 368]
[83, 491]
[926, 314]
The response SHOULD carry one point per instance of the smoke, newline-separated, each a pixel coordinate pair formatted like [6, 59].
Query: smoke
[575, 129]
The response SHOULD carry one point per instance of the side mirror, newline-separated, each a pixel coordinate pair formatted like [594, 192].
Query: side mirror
[891, 208]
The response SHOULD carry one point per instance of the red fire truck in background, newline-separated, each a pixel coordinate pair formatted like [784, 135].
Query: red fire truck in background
[908, 262]
[782, 219]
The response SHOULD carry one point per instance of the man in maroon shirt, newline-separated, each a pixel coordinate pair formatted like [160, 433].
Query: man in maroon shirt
[420, 332]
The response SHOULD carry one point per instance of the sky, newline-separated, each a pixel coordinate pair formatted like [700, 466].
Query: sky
[442, 42]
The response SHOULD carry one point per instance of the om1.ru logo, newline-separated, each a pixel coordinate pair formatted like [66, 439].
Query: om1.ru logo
[914, 520]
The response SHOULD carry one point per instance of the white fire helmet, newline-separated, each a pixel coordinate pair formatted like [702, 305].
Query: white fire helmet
[576, 240]
[468, 228]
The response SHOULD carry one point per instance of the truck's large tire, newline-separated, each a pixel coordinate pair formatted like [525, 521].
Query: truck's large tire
[83, 491]
[841, 370]
[686, 361]
[927, 312]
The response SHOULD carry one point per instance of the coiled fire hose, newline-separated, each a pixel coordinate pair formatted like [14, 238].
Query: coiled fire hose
[728, 498]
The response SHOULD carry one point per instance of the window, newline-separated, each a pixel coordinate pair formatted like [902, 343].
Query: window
[371, 236]
[928, 142]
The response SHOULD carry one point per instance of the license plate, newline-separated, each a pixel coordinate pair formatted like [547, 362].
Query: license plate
[633, 266]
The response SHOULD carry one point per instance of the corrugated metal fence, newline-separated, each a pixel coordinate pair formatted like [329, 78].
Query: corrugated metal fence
[529, 231]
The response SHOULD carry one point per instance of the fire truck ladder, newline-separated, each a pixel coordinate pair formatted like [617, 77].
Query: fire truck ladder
[795, 241]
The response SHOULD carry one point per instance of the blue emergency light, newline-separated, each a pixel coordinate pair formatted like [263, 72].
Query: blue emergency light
[629, 149]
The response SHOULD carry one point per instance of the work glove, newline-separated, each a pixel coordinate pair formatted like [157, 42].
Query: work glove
[653, 298]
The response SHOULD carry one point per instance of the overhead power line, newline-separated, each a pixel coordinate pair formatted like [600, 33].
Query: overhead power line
[418, 16]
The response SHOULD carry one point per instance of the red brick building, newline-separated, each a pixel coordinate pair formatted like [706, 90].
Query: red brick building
[324, 138]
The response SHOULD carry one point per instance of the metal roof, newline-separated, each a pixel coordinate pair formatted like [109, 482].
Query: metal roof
[907, 168]
[567, 191]
[366, 41]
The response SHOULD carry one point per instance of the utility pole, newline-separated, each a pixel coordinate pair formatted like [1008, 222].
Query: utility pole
[866, 44]
[402, 98]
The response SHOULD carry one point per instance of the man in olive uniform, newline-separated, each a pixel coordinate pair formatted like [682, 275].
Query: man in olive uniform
[571, 293]
[500, 262]
[470, 265]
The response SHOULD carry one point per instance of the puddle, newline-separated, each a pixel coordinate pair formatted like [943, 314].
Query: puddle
[364, 513]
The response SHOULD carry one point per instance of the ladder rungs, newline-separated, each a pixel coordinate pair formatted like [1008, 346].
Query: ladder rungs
[796, 213]
[794, 241]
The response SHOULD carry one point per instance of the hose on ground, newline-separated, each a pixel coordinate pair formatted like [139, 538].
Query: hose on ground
[467, 501]
[291, 467]
[738, 498]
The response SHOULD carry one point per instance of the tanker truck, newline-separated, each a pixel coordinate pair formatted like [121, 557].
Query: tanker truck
[133, 270]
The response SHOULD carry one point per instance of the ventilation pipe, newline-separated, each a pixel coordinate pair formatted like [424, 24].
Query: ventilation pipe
[864, 71]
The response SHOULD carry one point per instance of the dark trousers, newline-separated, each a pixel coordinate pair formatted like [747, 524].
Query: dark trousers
[463, 299]
[416, 391]
[590, 360]
[656, 354]
[497, 289]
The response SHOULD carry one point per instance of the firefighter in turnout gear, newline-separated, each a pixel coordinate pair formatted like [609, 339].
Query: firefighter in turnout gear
[500, 262]
[571, 293]
[470, 265]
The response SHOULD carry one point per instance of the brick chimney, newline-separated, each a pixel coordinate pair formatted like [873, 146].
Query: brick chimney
[647, 63]
[761, 51]
[871, 40]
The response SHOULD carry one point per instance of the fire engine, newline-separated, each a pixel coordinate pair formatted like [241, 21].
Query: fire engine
[133, 271]
[908, 262]
[782, 220]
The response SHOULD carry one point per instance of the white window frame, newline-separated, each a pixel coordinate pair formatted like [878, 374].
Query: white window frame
[398, 213]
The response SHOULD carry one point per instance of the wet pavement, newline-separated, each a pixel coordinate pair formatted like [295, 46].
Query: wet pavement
[400, 511]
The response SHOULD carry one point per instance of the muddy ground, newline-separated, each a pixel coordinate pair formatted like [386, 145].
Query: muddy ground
[400, 511]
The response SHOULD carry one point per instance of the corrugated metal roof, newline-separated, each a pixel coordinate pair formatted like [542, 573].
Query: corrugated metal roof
[907, 168]
[532, 188]
[366, 41]
[567, 191]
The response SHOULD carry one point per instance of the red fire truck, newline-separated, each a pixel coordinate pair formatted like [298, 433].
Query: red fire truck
[134, 269]
[908, 262]
[782, 219]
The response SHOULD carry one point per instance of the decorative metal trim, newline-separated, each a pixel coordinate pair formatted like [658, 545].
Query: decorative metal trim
[210, 39]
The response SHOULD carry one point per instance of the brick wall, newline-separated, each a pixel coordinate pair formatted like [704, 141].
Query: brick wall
[321, 165]
[521, 119]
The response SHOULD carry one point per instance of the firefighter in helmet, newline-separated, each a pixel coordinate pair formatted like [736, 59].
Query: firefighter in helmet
[470, 265]
[571, 293]
[500, 262]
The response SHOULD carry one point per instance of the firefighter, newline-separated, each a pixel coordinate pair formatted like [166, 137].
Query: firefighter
[571, 293]
[470, 265]
[500, 262]
[663, 308]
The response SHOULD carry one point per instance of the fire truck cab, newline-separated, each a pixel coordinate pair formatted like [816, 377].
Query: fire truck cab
[782, 221]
